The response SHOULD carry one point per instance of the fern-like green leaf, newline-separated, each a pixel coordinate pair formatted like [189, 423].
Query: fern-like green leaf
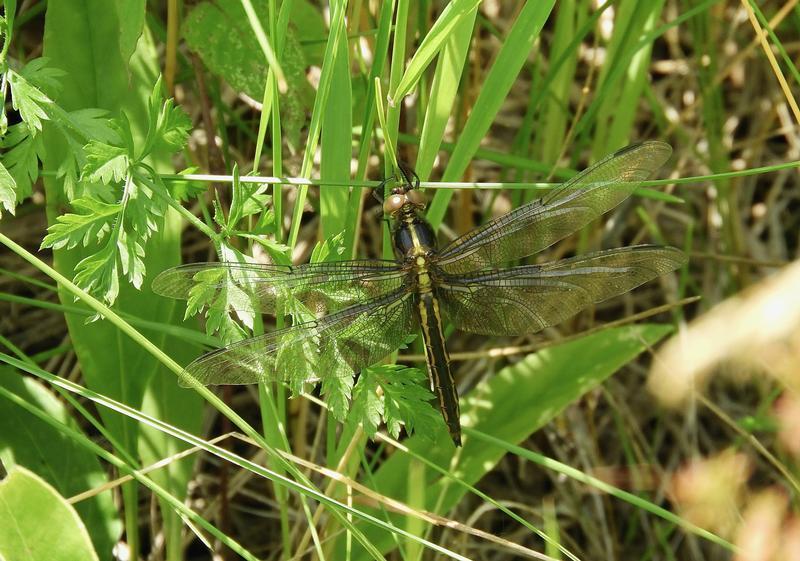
[98, 273]
[406, 398]
[337, 387]
[105, 163]
[144, 211]
[29, 100]
[367, 406]
[8, 190]
[131, 256]
[173, 128]
[92, 223]
[21, 152]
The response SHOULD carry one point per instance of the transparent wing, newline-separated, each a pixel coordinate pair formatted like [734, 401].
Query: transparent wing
[526, 299]
[253, 287]
[335, 345]
[541, 223]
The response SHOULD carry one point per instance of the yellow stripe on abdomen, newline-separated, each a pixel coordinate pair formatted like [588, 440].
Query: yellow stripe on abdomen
[441, 378]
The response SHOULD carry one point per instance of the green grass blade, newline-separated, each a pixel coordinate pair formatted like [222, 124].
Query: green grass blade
[337, 126]
[444, 88]
[263, 42]
[320, 107]
[623, 78]
[498, 82]
[440, 31]
[367, 125]
[550, 138]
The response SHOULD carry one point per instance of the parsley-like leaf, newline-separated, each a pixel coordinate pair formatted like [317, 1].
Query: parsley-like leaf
[405, 400]
[129, 222]
[406, 397]
[29, 100]
[8, 187]
[92, 223]
[21, 157]
[131, 256]
[218, 292]
[98, 273]
[337, 387]
[185, 190]
[105, 163]
[168, 126]
[367, 407]
[328, 249]
[172, 128]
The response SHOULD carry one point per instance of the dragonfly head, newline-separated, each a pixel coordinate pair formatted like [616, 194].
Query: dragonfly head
[406, 194]
[400, 199]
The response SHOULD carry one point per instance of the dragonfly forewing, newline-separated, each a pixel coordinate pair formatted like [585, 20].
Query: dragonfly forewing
[541, 223]
[521, 300]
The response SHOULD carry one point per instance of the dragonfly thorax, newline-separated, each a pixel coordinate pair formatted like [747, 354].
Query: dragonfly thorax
[412, 236]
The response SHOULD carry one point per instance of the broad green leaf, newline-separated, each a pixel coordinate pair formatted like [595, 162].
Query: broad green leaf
[38, 523]
[511, 406]
[311, 33]
[26, 440]
[96, 77]
[220, 33]
[94, 123]
[496, 85]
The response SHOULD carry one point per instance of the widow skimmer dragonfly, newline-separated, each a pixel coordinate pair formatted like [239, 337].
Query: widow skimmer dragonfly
[366, 309]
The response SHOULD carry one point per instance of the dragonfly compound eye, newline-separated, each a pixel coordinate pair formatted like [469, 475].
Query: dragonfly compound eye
[394, 203]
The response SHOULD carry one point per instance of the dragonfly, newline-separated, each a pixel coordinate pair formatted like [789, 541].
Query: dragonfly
[366, 309]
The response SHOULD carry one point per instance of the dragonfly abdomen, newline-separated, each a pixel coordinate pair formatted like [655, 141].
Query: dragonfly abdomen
[438, 361]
